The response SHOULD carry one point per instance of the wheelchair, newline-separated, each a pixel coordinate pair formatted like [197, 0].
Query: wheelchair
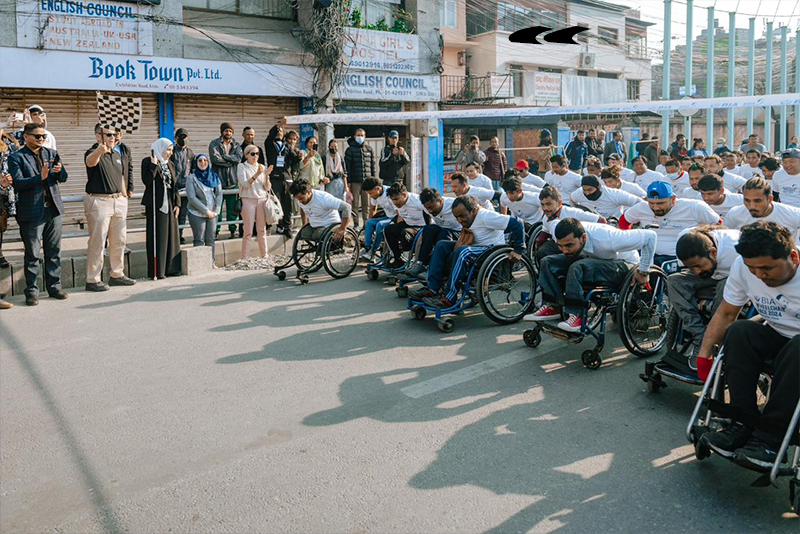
[640, 312]
[338, 258]
[709, 416]
[397, 276]
[503, 289]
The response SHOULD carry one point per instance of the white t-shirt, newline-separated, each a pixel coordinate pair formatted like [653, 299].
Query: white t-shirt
[412, 211]
[779, 306]
[489, 228]
[612, 202]
[678, 182]
[605, 242]
[726, 241]
[483, 195]
[574, 213]
[788, 186]
[783, 214]
[633, 189]
[647, 178]
[445, 218]
[734, 170]
[660, 169]
[684, 214]
[734, 182]
[384, 202]
[730, 201]
[529, 187]
[565, 184]
[481, 181]
[528, 208]
[747, 172]
[322, 210]
[627, 174]
[533, 180]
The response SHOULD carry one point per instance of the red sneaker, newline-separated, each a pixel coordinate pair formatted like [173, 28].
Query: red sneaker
[572, 324]
[545, 313]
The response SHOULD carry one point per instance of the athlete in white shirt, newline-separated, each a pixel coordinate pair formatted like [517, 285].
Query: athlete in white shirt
[611, 179]
[733, 182]
[644, 176]
[461, 187]
[786, 182]
[708, 254]
[765, 274]
[554, 209]
[322, 210]
[562, 178]
[522, 204]
[598, 198]
[411, 217]
[669, 216]
[373, 228]
[753, 158]
[624, 173]
[476, 178]
[523, 171]
[443, 227]
[488, 229]
[676, 177]
[759, 206]
[716, 196]
[730, 163]
[606, 256]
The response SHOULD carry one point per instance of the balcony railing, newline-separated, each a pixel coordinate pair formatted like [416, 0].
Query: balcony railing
[460, 90]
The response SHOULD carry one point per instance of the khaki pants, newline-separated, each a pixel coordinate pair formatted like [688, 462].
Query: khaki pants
[106, 218]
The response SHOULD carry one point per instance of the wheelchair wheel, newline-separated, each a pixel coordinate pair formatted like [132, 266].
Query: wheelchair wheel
[340, 257]
[505, 289]
[306, 256]
[642, 314]
[530, 246]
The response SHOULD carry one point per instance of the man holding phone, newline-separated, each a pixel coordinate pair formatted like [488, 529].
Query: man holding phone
[33, 115]
[471, 154]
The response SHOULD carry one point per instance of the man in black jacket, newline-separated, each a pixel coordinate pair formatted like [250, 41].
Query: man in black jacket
[594, 145]
[393, 161]
[285, 161]
[183, 159]
[226, 154]
[360, 162]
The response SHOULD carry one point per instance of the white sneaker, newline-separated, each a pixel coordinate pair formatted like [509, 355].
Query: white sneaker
[366, 255]
[572, 324]
[545, 313]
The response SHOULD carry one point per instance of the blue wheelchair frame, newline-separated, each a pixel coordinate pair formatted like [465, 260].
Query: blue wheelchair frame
[395, 275]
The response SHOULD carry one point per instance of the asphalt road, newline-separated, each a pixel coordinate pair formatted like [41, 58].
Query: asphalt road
[237, 403]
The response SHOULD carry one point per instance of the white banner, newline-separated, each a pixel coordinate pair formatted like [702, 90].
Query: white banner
[547, 87]
[502, 86]
[106, 72]
[585, 90]
[790, 99]
[390, 86]
[85, 26]
[374, 50]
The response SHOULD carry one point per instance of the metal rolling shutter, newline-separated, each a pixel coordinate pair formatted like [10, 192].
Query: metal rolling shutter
[71, 116]
[201, 116]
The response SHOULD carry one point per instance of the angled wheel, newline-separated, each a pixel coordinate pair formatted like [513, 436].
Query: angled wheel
[402, 291]
[419, 313]
[642, 314]
[340, 257]
[591, 359]
[532, 337]
[305, 254]
[372, 274]
[281, 275]
[446, 325]
[505, 288]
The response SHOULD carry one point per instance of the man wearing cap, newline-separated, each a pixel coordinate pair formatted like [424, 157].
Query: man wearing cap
[183, 159]
[669, 216]
[786, 181]
[617, 146]
[523, 172]
[35, 114]
[393, 161]
[598, 198]
[226, 154]
[496, 163]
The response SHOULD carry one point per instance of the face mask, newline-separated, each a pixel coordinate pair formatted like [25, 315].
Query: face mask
[719, 144]
[595, 195]
[332, 150]
[359, 140]
[181, 141]
[673, 175]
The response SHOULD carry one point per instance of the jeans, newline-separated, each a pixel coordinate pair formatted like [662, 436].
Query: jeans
[203, 232]
[578, 271]
[442, 254]
[683, 288]
[228, 202]
[747, 345]
[373, 232]
[183, 213]
[432, 234]
[36, 235]
[548, 248]
[399, 237]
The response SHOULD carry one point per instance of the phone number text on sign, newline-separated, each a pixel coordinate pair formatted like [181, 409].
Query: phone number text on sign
[376, 50]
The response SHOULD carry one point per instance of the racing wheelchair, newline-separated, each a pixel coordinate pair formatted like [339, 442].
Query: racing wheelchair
[504, 289]
[398, 275]
[710, 414]
[640, 312]
[314, 249]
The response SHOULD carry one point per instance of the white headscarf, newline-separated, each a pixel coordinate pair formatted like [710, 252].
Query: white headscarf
[159, 147]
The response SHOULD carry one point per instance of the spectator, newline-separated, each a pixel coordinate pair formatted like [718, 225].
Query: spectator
[249, 138]
[36, 172]
[543, 155]
[663, 157]
[106, 209]
[161, 209]
[698, 148]
[679, 147]
[226, 154]
[496, 163]
[290, 172]
[577, 152]
[793, 142]
[35, 115]
[8, 145]
[643, 143]
[651, 153]
[311, 166]
[722, 147]
[335, 179]
[594, 145]
[359, 159]
[752, 143]
[183, 159]
[616, 147]
[275, 150]
[204, 191]
[393, 161]
[471, 153]
[253, 187]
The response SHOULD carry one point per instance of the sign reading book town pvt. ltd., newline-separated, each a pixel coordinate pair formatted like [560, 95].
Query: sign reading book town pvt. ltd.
[85, 26]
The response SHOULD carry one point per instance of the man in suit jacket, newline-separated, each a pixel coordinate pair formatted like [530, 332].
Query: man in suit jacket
[616, 146]
[36, 172]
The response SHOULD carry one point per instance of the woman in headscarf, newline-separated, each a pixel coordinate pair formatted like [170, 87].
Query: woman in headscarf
[254, 185]
[161, 210]
[335, 179]
[204, 193]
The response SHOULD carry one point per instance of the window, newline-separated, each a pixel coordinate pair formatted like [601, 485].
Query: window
[551, 19]
[583, 37]
[373, 11]
[583, 73]
[517, 77]
[279, 9]
[448, 16]
[637, 45]
[608, 75]
[610, 35]
[548, 69]
[511, 18]
[633, 90]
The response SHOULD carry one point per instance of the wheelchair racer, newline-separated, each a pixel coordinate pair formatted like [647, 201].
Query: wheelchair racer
[444, 227]
[485, 229]
[476, 177]
[600, 199]
[766, 274]
[461, 187]
[562, 178]
[611, 179]
[322, 210]
[523, 204]
[590, 253]
[716, 196]
[411, 217]
[522, 170]
[382, 211]
[553, 210]
[759, 206]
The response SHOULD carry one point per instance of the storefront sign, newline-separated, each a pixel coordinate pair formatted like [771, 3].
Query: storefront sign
[547, 87]
[367, 106]
[105, 72]
[502, 87]
[387, 86]
[85, 26]
[374, 50]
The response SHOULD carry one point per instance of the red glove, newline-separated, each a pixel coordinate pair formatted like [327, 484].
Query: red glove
[704, 368]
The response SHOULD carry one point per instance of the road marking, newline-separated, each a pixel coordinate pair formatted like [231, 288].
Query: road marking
[471, 372]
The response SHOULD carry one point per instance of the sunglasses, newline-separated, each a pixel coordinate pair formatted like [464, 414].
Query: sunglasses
[39, 136]
[109, 134]
[253, 153]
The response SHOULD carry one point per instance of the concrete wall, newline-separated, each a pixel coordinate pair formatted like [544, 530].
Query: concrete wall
[8, 21]
[426, 17]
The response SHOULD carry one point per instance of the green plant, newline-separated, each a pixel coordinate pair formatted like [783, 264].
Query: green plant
[382, 26]
[355, 17]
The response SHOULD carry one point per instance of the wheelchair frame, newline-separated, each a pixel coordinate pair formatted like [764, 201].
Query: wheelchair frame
[395, 275]
[320, 260]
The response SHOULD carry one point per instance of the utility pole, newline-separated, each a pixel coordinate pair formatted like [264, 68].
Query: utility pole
[687, 121]
[710, 78]
[666, 73]
[731, 75]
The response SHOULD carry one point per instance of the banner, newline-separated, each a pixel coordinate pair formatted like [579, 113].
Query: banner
[376, 50]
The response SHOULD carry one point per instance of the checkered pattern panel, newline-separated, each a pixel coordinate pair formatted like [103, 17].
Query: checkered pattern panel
[120, 112]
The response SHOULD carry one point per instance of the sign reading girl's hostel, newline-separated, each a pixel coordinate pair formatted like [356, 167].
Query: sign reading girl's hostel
[85, 26]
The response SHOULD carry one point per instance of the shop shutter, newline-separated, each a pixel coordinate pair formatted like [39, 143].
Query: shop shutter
[201, 116]
[71, 116]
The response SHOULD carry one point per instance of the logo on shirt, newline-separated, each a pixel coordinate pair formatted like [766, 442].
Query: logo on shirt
[770, 308]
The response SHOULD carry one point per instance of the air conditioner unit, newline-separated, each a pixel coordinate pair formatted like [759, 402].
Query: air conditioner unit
[587, 60]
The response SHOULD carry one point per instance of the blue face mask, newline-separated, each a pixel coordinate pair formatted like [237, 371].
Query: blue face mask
[359, 140]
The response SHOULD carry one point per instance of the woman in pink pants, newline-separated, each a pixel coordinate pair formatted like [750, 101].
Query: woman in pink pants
[253, 186]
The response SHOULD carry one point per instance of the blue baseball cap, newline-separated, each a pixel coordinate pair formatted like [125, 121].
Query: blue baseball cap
[660, 190]
[393, 133]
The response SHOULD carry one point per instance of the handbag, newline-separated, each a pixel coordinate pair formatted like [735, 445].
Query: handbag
[465, 238]
[272, 209]
[237, 206]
